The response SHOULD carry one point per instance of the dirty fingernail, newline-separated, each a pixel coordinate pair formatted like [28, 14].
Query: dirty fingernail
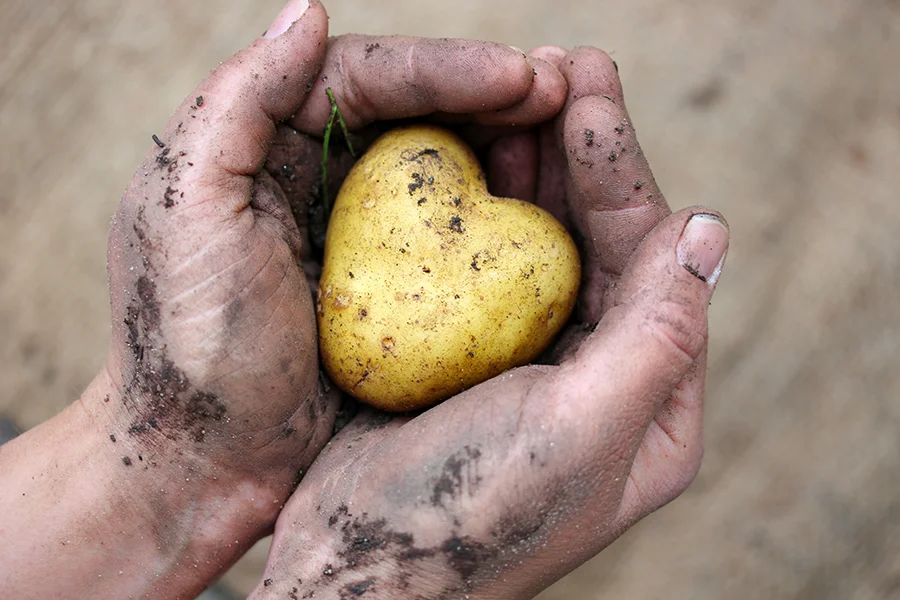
[702, 247]
[289, 15]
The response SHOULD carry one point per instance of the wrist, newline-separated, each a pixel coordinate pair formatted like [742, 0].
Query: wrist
[91, 512]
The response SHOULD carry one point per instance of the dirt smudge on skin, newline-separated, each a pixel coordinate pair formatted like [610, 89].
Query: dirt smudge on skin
[362, 538]
[449, 565]
[465, 556]
[459, 472]
[368, 543]
[162, 158]
[233, 313]
[156, 390]
[377, 421]
[169, 197]
[356, 589]
[514, 530]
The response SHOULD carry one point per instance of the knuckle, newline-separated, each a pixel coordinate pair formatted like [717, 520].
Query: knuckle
[344, 78]
[420, 80]
[680, 470]
[684, 470]
[678, 324]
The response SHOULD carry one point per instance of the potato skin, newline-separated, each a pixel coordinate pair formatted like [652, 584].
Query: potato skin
[429, 284]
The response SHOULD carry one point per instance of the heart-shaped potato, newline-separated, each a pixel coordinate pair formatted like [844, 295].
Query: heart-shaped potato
[430, 285]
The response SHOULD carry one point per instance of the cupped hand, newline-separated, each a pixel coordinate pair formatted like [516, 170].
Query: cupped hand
[216, 405]
[505, 488]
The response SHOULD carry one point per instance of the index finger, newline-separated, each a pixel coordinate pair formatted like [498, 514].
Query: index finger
[384, 78]
[614, 199]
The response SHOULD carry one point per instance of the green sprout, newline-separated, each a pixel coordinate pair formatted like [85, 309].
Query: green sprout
[335, 114]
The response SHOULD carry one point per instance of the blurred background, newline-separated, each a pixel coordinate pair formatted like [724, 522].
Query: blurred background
[785, 115]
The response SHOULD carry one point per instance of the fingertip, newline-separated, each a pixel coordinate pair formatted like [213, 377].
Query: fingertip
[700, 209]
[703, 245]
[290, 14]
[543, 101]
[679, 258]
[230, 118]
[292, 59]
[552, 54]
[591, 72]
[272, 73]
[510, 65]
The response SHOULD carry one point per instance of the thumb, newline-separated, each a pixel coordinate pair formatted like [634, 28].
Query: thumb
[220, 136]
[655, 330]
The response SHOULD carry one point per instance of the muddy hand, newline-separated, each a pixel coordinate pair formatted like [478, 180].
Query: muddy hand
[502, 490]
[211, 406]
[213, 318]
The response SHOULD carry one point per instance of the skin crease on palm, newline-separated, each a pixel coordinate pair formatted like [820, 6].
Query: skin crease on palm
[211, 407]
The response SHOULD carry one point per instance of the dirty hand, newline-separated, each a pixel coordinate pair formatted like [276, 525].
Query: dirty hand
[210, 407]
[505, 488]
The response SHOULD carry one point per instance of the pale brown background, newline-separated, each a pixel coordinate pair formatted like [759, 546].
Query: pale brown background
[784, 114]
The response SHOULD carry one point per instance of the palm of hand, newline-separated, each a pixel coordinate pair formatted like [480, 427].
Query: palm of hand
[213, 319]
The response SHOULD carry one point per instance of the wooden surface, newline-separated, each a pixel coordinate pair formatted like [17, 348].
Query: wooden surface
[784, 115]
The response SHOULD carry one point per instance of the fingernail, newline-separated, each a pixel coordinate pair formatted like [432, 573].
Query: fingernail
[519, 50]
[702, 247]
[289, 15]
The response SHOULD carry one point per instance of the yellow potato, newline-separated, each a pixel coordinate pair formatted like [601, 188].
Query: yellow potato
[430, 285]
